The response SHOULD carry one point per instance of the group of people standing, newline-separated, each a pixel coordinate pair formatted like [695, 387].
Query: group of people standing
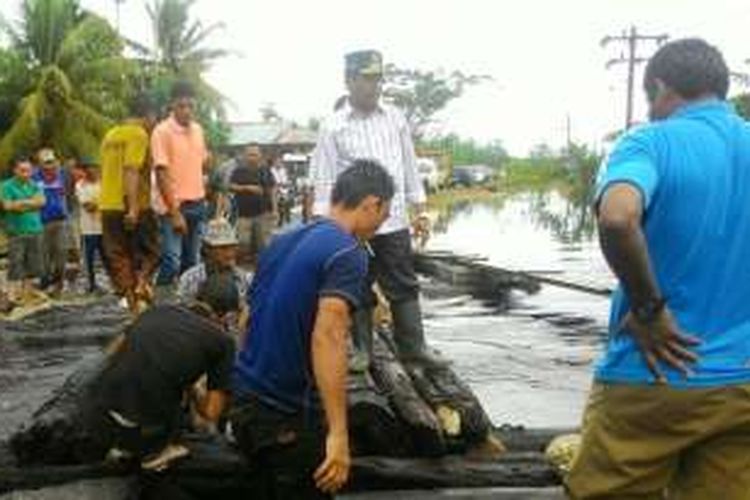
[50, 213]
[142, 207]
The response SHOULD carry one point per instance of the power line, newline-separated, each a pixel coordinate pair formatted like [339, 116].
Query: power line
[631, 38]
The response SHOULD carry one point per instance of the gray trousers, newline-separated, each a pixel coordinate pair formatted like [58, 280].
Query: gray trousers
[54, 250]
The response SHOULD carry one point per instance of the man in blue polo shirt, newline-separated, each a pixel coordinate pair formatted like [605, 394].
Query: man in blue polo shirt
[290, 376]
[53, 181]
[669, 413]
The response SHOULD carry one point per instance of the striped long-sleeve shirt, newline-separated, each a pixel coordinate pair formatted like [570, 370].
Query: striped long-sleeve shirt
[382, 135]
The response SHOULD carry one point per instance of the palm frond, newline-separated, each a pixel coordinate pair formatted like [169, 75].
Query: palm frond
[25, 133]
[91, 39]
[44, 24]
[137, 47]
[197, 34]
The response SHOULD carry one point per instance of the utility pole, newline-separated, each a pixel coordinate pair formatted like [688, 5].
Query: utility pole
[631, 38]
[117, 13]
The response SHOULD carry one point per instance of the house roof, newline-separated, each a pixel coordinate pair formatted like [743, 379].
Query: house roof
[269, 133]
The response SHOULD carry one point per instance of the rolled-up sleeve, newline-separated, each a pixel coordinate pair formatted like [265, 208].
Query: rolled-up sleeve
[323, 165]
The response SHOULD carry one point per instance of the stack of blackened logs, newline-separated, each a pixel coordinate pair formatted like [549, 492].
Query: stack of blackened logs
[409, 424]
[396, 409]
[413, 409]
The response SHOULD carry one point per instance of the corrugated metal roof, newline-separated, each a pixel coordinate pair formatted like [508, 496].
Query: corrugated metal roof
[298, 136]
[263, 133]
[269, 133]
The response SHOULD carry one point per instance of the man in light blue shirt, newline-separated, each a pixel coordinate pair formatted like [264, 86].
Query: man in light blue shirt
[669, 414]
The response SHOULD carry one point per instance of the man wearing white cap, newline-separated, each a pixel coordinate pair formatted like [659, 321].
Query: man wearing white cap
[365, 128]
[220, 245]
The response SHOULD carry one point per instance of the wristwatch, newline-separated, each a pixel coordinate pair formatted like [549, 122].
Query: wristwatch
[648, 311]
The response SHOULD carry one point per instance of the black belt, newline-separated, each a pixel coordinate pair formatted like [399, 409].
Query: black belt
[192, 202]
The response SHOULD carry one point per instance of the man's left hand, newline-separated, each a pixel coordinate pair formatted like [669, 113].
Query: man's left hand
[333, 473]
[661, 340]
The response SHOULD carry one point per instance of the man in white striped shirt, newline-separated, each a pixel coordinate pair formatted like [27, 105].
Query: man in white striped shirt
[365, 128]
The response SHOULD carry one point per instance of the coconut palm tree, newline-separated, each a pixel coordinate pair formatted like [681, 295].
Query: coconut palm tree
[68, 77]
[179, 50]
[178, 40]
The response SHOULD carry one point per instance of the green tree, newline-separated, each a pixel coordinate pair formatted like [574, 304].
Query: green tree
[62, 79]
[179, 53]
[468, 151]
[422, 94]
[742, 105]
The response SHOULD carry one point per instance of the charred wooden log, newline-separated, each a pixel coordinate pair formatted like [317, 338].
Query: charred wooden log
[59, 431]
[395, 410]
[423, 431]
[462, 418]
[373, 424]
[471, 276]
[215, 467]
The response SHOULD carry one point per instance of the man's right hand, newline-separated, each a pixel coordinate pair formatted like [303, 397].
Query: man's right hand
[130, 219]
[179, 225]
[333, 473]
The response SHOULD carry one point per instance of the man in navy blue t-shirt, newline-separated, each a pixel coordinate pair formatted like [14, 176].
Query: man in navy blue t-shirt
[669, 414]
[290, 375]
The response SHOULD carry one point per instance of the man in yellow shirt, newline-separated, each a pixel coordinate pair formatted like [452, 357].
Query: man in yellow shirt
[129, 226]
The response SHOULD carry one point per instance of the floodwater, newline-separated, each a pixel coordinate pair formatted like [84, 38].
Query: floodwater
[530, 365]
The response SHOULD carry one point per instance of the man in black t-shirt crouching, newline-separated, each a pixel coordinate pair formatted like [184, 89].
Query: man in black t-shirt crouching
[165, 351]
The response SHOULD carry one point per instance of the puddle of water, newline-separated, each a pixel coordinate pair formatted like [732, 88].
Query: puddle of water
[531, 365]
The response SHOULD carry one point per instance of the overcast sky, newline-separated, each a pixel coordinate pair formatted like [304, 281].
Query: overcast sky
[544, 55]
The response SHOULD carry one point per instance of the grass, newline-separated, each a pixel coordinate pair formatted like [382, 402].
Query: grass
[515, 178]
[447, 197]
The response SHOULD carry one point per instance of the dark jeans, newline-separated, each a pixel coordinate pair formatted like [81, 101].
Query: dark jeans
[181, 252]
[93, 244]
[393, 268]
[284, 450]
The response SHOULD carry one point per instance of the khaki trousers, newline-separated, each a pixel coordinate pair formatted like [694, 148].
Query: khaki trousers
[658, 442]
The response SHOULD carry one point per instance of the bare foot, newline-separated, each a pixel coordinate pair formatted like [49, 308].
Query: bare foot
[489, 450]
[160, 461]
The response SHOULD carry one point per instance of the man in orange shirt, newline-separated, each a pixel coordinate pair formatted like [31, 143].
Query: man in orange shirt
[179, 154]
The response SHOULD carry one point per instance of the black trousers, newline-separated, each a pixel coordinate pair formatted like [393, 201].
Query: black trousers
[284, 450]
[392, 267]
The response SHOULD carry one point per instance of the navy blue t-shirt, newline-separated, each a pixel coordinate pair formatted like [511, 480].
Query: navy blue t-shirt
[298, 268]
